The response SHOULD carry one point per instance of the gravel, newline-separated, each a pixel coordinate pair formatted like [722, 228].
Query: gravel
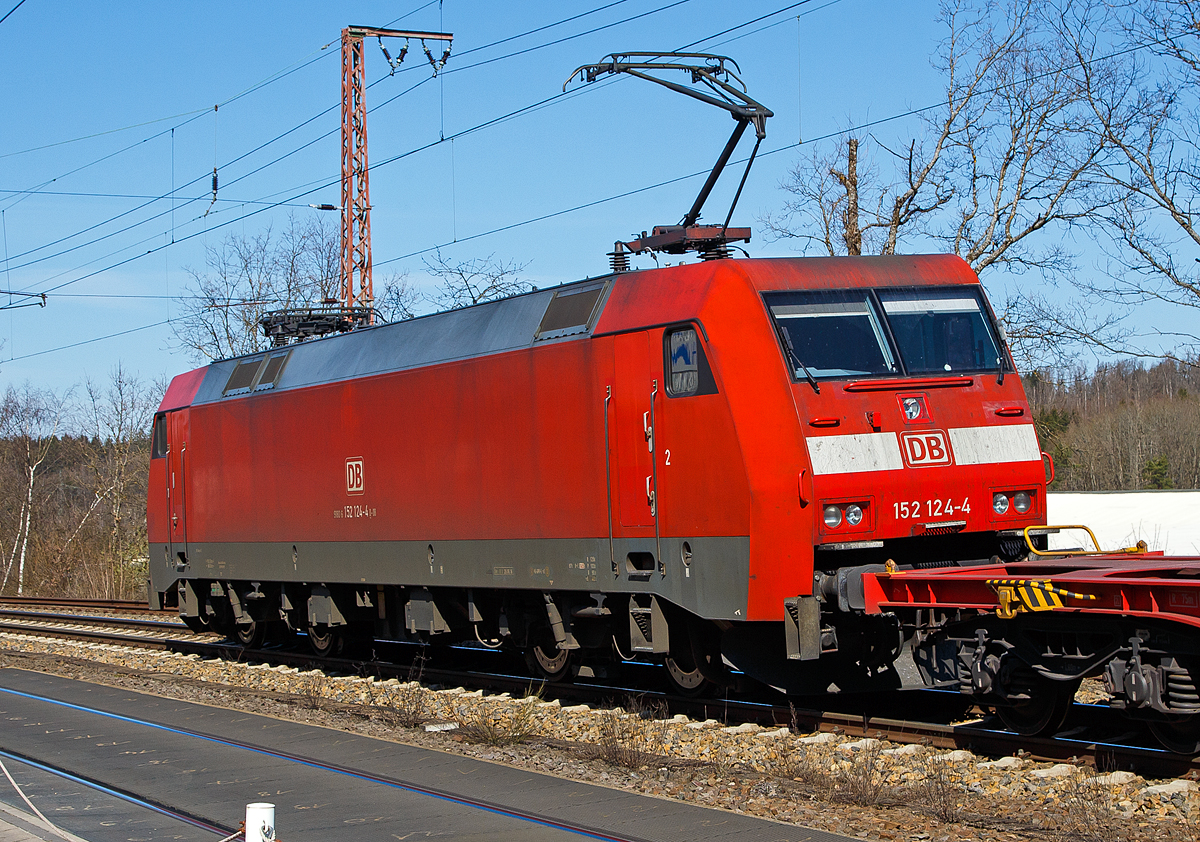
[858, 787]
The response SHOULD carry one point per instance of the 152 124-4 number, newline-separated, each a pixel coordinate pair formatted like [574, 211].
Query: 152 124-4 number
[910, 509]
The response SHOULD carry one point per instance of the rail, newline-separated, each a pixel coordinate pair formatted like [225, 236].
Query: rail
[1089, 741]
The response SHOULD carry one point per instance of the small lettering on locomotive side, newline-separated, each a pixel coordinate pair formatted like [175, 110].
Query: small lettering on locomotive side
[502, 571]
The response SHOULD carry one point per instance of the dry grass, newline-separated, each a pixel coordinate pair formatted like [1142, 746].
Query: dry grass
[810, 766]
[862, 778]
[312, 691]
[409, 703]
[940, 792]
[825, 773]
[502, 724]
[1089, 812]
[629, 739]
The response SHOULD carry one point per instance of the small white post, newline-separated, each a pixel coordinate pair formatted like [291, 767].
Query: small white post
[260, 822]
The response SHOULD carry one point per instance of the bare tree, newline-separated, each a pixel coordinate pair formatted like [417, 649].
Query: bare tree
[844, 206]
[1007, 155]
[116, 417]
[245, 277]
[30, 420]
[474, 281]
[1138, 65]
[397, 299]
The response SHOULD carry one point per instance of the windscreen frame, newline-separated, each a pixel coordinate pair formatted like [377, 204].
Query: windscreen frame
[902, 368]
[826, 303]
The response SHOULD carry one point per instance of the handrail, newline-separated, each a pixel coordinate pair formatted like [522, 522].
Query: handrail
[908, 383]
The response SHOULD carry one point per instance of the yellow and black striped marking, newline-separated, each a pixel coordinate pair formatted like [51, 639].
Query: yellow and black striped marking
[1017, 595]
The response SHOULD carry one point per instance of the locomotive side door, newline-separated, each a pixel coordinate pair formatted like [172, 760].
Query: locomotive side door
[633, 397]
[177, 432]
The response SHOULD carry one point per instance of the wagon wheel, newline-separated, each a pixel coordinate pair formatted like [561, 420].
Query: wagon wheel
[325, 641]
[1180, 734]
[687, 682]
[1044, 712]
[251, 635]
[549, 662]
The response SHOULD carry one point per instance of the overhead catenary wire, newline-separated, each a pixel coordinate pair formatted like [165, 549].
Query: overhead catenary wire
[511, 115]
[624, 194]
[549, 100]
[531, 108]
[422, 251]
[300, 64]
[320, 114]
[316, 55]
[91, 341]
[334, 131]
[313, 187]
[20, 3]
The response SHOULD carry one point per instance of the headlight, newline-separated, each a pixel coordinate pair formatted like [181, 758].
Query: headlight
[833, 516]
[912, 409]
[999, 503]
[853, 515]
[1021, 502]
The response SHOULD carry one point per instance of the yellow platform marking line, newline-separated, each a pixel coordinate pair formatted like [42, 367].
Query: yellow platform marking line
[1017, 595]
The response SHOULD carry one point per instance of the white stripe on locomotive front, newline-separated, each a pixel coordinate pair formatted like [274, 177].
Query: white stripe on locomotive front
[851, 454]
[990, 445]
[860, 452]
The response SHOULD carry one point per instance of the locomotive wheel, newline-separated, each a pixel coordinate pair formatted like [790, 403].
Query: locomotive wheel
[251, 635]
[1043, 714]
[325, 642]
[549, 662]
[1179, 734]
[685, 682]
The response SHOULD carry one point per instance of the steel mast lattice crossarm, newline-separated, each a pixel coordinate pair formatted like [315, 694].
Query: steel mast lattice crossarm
[357, 294]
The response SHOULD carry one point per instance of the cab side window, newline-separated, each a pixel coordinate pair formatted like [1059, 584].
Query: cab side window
[159, 437]
[686, 365]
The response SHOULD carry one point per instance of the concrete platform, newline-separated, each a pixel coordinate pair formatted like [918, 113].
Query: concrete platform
[326, 785]
[82, 811]
[16, 826]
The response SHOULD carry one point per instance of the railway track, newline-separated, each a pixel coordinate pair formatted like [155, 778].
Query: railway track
[83, 604]
[1091, 737]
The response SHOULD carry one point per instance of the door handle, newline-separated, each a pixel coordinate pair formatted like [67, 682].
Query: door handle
[650, 494]
[648, 431]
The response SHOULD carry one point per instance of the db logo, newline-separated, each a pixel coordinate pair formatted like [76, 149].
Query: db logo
[354, 475]
[925, 448]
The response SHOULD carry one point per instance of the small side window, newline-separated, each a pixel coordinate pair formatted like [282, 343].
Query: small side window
[242, 378]
[158, 446]
[687, 367]
[271, 372]
[570, 311]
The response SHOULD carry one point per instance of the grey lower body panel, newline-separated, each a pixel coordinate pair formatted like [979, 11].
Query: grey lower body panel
[712, 582]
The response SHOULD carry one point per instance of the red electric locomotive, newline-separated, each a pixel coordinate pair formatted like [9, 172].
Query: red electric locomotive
[694, 464]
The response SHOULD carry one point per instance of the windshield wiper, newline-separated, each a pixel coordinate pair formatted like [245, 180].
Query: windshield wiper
[791, 352]
[1000, 371]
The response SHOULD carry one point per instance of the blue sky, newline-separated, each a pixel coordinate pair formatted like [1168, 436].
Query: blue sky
[109, 106]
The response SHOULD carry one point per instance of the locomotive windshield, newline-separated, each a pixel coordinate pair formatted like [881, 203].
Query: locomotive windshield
[837, 334]
[834, 334]
[940, 330]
